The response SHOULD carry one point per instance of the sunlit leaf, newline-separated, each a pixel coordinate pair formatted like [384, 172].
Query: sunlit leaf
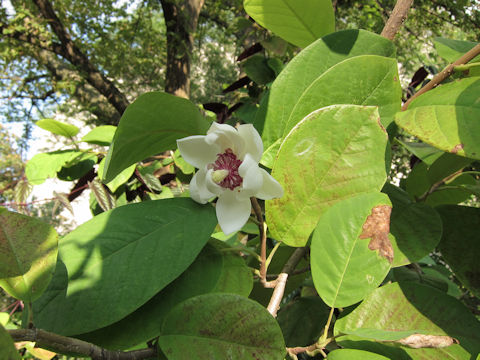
[333, 154]
[28, 252]
[57, 127]
[101, 135]
[45, 165]
[346, 264]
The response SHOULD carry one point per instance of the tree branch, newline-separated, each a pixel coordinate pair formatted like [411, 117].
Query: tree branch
[396, 19]
[73, 54]
[66, 345]
[445, 73]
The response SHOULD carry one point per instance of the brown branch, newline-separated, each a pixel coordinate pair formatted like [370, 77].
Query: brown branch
[396, 19]
[281, 281]
[65, 345]
[445, 73]
[70, 51]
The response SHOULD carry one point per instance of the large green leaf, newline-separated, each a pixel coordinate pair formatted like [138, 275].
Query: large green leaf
[306, 67]
[410, 306]
[144, 324]
[216, 326]
[416, 227]
[446, 117]
[350, 354]
[57, 127]
[302, 321]
[298, 22]
[334, 153]
[460, 245]
[45, 165]
[451, 50]
[344, 268]
[116, 262]
[7, 347]
[150, 125]
[28, 253]
[362, 80]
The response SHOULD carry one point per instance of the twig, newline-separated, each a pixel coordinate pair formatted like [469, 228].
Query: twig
[281, 281]
[262, 227]
[396, 19]
[445, 73]
[63, 344]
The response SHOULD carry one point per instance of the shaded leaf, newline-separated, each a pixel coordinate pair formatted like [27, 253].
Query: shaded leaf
[28, 252]
[427, 153]
[7, 347]
[451, 50]
[415, 228]
[117, 261]
[348, 354]
[324, 160]
[344, 268]
[151, 125]
[118, 180]
[57, 127]
[460, 243]
[300, 23]
[257, 69]
[213, 325]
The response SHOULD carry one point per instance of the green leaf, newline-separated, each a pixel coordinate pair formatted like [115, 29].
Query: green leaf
[213, 325]
[302, 321]
[257, 69]
[28, 252]
[144, 324]
[151, 125]
[298, 22]
[309, 65]
[416, 228]
[362, 80]
[120, 179]
[428, 154]
[322, 161]
[114, 263]
[380, 335]
[344, 268]
[77, 167]
[348, 354]
[46, 165]
[408, 306]
[451, 50]
[101, 135]
[404, 274]
[58, 128]
[7, 347]
[460, 244]
[446, 117]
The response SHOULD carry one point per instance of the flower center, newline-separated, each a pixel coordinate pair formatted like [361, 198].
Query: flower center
[225, 169]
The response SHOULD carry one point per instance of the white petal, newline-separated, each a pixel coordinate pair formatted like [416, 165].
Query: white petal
[196, 151]
[251, 175]
[198, 188]
[253, 141]
[211, 185]
[271, 188]
[232, 213]
[225, 137]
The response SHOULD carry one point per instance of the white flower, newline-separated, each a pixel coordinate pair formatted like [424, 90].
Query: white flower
[227, 159]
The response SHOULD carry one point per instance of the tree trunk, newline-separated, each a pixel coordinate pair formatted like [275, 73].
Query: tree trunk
[181, 18]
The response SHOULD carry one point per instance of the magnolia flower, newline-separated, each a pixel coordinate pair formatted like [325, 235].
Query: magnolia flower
[227, 161]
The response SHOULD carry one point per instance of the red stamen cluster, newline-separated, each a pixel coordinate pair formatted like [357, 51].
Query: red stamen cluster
[228, 161]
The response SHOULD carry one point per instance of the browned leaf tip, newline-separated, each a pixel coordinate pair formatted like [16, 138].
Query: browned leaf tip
[457, 148]
[417, 341]
[377, 227]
